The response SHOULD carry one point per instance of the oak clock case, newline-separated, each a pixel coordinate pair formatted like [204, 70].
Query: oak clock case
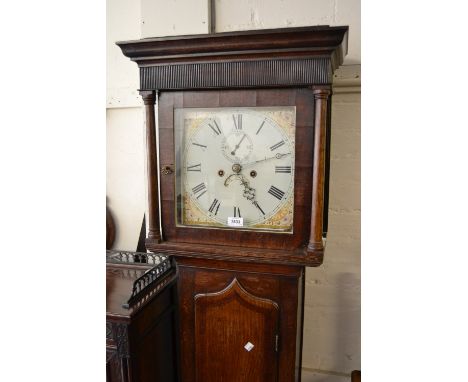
[243, 133]
[267, 181]
[235, 168]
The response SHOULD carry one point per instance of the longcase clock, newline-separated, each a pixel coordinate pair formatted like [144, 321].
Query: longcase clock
[243, 136]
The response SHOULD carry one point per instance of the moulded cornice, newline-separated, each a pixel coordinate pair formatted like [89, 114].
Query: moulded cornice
[269, 57]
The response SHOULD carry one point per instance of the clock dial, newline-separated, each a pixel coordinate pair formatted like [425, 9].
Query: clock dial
[236, 163]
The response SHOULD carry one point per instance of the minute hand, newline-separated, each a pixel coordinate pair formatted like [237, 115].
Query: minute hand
[277, 156]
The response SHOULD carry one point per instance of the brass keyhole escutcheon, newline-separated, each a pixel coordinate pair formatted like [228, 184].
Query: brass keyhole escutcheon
[166, 170]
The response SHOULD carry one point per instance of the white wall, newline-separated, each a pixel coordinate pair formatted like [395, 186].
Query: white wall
[260, 14]
[174, 17]
[123, 23]
[125, 189]
[332, 310]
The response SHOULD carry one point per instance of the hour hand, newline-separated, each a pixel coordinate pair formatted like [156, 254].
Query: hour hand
[249, 192]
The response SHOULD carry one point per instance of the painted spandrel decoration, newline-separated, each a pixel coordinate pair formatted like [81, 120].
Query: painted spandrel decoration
[235, 167]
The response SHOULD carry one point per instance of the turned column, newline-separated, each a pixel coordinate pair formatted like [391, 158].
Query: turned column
[149, 99]
[321, 95]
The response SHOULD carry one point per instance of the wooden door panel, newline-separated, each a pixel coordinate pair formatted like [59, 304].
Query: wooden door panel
[225, 323]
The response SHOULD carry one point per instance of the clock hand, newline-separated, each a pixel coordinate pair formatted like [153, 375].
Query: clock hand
[277, 156]
[249, 192]
[233, 152]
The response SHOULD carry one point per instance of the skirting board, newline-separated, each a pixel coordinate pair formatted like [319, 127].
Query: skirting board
[316, 376]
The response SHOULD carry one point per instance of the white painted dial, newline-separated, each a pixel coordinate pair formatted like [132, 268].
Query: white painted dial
[237, 162]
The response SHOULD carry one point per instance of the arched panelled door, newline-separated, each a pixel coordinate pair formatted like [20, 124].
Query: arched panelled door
[237, 326]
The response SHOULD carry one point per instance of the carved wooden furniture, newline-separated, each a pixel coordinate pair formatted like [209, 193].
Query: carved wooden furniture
[141, 318]
[241, 273]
